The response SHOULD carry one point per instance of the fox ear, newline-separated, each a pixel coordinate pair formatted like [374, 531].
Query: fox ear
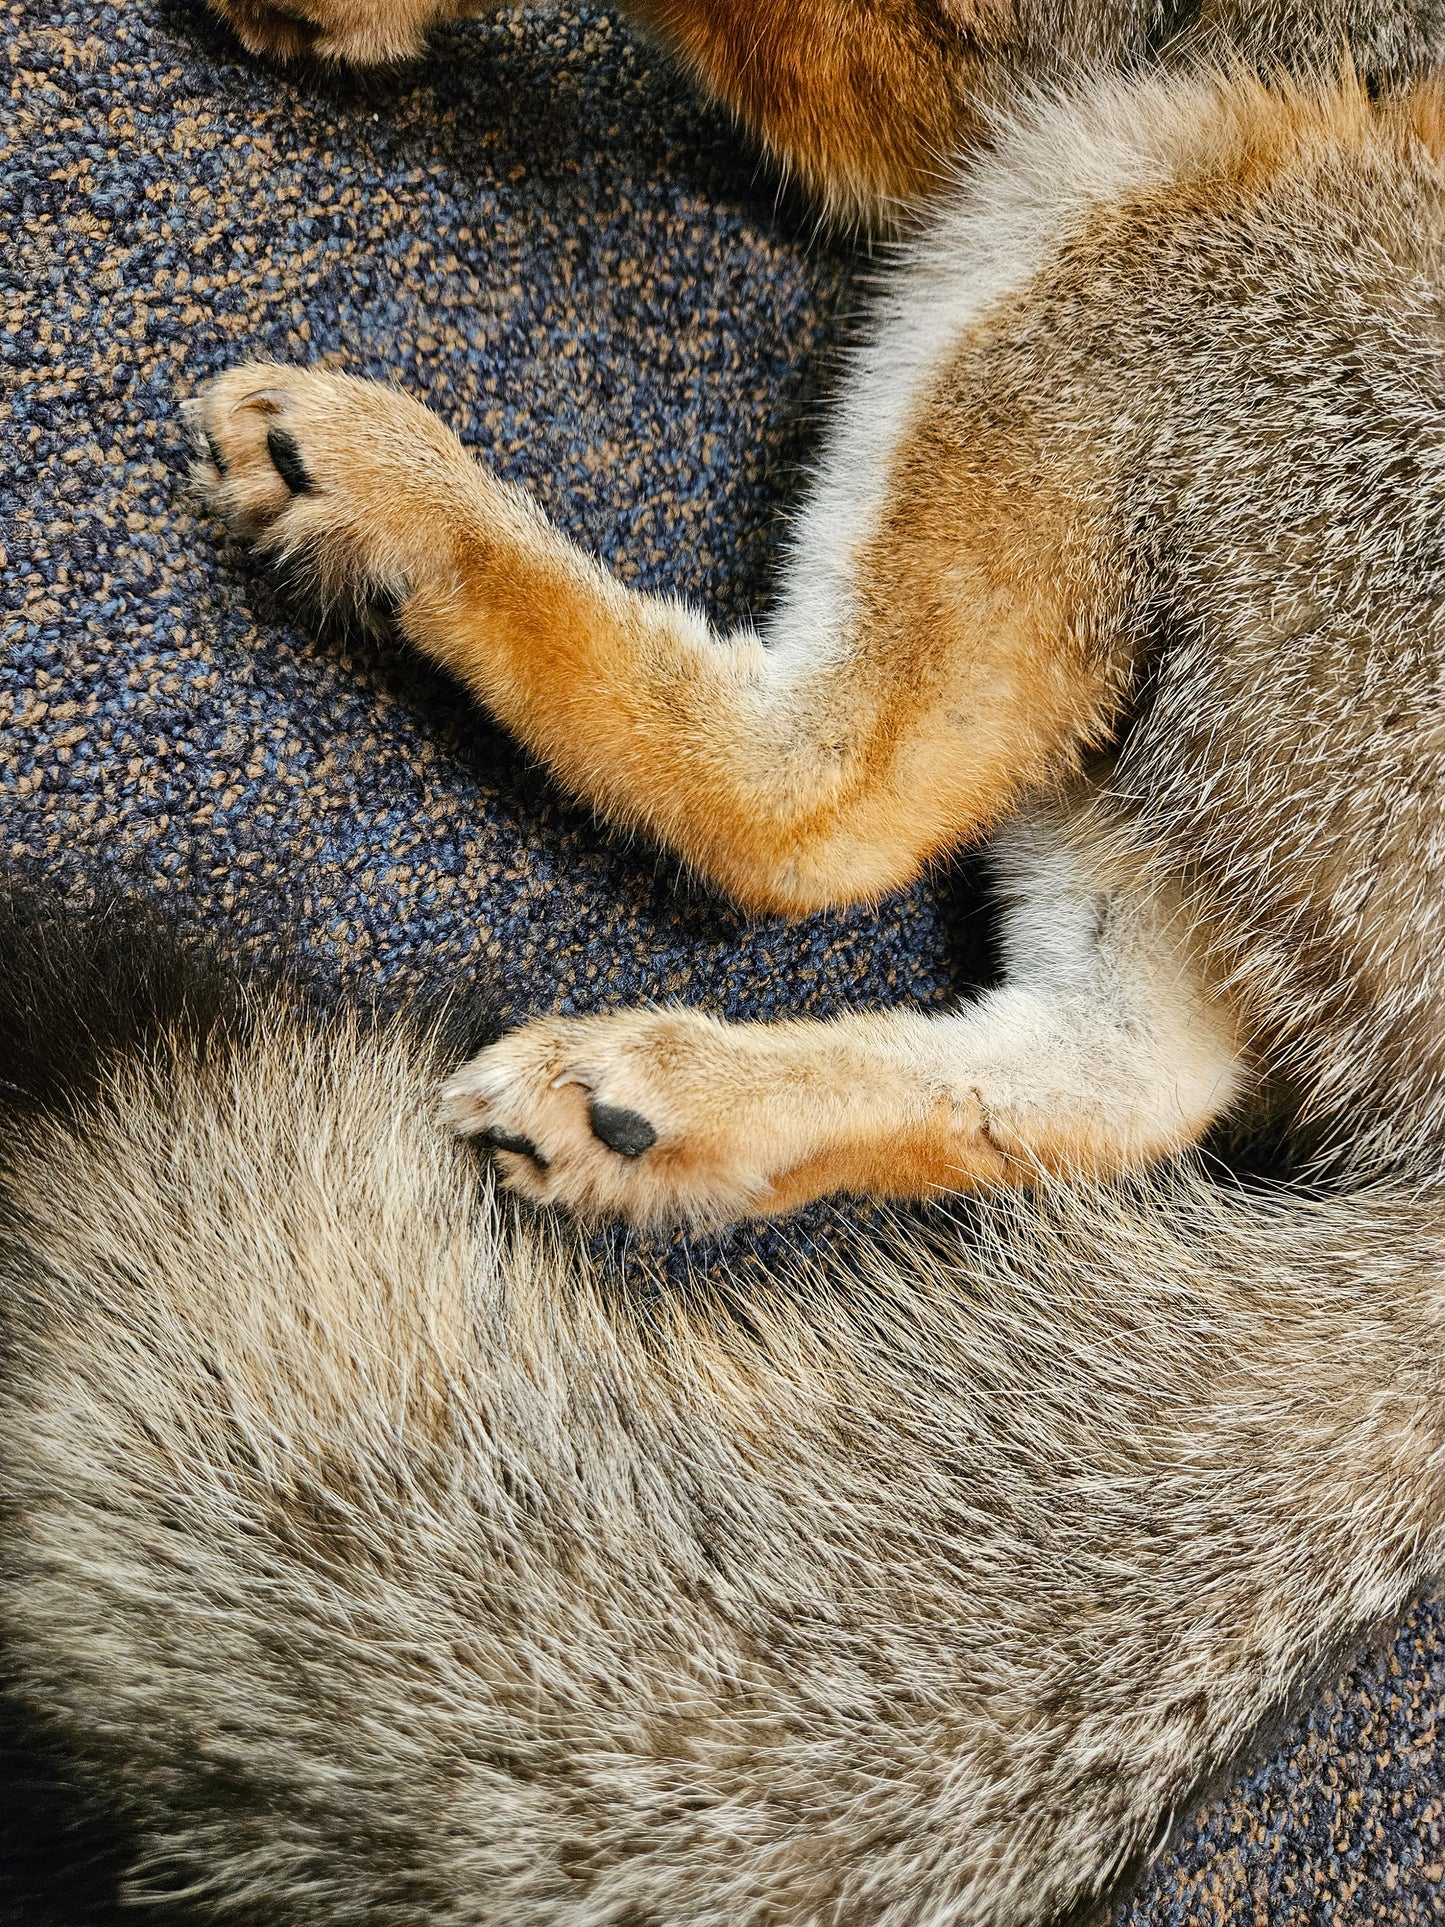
[84, 985]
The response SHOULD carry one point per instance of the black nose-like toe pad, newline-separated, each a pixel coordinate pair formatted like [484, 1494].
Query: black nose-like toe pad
[626, 1132]
[286, 456]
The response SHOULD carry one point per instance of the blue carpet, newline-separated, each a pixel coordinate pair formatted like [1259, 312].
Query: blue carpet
[541, 231]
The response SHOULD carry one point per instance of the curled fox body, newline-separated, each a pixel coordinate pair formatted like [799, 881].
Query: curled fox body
[379, 1556]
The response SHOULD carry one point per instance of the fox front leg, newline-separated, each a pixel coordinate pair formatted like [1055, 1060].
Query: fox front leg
[877, 729]
[1107, 1047]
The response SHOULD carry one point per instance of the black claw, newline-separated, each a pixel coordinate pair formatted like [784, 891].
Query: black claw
[501, 1140]
[628, 1133]
[213, 449]
[284, 452]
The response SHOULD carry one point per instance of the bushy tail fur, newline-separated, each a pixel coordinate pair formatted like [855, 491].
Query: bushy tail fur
[381, 1554]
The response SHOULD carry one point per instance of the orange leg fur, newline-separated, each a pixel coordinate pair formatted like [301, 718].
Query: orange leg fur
[865, 101]
[793, 779]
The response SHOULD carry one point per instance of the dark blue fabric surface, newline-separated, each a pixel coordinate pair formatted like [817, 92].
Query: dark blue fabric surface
[542, 232]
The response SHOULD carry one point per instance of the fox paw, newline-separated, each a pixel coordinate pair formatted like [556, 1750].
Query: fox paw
[362, 33]
[350, 484]
[616, 1116]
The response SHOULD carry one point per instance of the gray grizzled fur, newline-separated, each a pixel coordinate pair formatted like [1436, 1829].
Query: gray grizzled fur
[1387, 40]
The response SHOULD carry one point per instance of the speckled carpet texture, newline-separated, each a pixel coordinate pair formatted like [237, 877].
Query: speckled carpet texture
[539, 230]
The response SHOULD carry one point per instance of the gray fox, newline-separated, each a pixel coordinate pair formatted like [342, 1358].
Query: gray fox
[380, 1553]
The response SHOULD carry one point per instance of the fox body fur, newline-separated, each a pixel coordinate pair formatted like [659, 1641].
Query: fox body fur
[385, 1557]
